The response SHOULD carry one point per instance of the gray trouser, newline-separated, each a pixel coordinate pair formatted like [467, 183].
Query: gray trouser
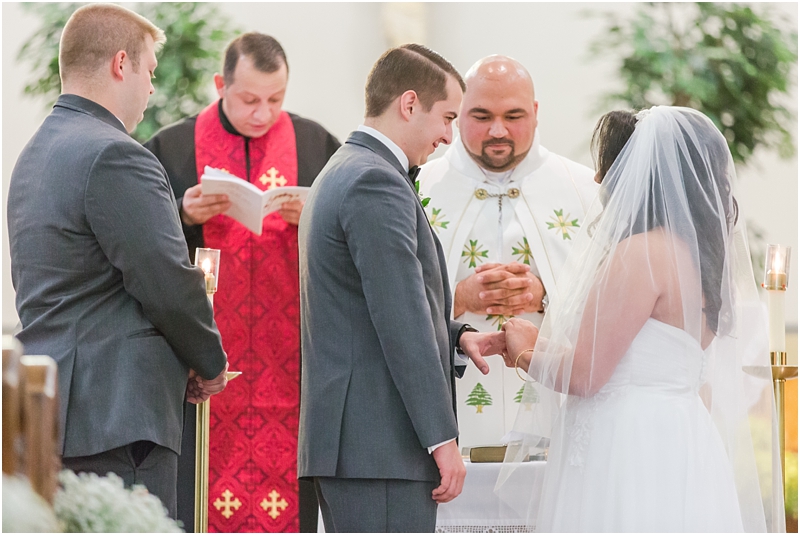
[141, 463]
[376, 505]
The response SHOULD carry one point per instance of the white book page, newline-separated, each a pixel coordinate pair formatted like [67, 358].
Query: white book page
[249, 205]
[246, 199]
[274, 198]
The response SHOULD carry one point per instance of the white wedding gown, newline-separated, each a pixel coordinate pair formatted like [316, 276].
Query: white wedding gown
[643, 454]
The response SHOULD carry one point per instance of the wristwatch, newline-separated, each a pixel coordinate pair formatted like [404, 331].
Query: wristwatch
[464, 328]
[545, 303]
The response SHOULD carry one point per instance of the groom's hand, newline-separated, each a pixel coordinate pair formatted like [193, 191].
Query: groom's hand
[479, 345]
[452, 471]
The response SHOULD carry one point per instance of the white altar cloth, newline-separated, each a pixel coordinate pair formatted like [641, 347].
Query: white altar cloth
[479, 510]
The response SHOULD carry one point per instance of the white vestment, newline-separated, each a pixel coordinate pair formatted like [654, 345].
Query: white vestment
[528, 215]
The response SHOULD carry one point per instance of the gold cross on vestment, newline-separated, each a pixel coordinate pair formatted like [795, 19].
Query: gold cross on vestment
[227, 505]
[271, 177]
[274, 504]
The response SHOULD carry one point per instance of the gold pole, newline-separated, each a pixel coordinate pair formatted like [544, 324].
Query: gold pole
[201, 468]
[780, 374]
[201, 451]
[778, 360]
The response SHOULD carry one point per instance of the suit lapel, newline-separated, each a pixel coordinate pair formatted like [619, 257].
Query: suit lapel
[362, 139]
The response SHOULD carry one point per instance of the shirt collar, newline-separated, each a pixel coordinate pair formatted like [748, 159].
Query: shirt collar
[226, 123]
[391, 145]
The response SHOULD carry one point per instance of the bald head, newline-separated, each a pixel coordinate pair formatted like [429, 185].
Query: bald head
[498, 113]
[500, 70]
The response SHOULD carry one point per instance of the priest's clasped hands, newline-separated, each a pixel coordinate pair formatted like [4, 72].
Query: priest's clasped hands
[499, 289]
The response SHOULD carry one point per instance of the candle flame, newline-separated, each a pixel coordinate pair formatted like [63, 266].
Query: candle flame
[777, 263]
[206, 265]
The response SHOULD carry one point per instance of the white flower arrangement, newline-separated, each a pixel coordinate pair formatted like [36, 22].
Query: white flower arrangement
[24, 511]
[88, 503]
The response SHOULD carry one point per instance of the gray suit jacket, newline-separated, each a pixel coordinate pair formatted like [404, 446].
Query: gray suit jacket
[103, 281]
[377, 343]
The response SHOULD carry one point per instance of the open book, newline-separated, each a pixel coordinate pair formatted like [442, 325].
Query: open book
[249, 205]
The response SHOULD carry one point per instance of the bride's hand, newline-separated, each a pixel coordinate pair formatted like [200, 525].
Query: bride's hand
[520, 335]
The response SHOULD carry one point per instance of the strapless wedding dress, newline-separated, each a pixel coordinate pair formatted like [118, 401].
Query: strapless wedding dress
[643, 453]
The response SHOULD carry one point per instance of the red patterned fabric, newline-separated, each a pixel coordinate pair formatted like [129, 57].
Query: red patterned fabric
[253, 440]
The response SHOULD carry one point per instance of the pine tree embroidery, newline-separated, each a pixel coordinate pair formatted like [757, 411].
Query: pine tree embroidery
[498, 319]
[527, 396]
[479, 398]
[563, 224]
[437, 220]
[474, 253]
[524, 252]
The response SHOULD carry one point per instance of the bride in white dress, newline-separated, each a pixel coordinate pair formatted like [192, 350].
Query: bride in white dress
[651, 423]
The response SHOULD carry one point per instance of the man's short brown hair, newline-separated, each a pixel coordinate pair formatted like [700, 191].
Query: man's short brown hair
[96, 32]
[410, 67]
[264, 51]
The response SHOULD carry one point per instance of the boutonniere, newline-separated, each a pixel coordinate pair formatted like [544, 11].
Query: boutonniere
[423, 200]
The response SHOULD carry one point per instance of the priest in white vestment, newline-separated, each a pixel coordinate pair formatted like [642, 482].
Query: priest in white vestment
[500, 200]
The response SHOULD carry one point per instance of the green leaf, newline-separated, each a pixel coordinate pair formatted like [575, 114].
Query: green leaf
[724, 60]
[196, 36]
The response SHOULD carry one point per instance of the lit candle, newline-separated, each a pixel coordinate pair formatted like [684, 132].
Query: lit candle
[211, 283]
[775, 282]
[208, 261]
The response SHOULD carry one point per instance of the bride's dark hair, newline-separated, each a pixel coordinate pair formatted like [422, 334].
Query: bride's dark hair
[612, 132]
[708, 162]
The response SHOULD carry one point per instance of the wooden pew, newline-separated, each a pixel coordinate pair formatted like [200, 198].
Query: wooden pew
[39, 387]
[12, 411]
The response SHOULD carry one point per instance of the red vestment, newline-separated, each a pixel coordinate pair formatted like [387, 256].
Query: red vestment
[254, 422]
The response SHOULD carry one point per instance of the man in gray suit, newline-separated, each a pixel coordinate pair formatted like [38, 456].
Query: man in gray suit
[99, 262]
[377, 416]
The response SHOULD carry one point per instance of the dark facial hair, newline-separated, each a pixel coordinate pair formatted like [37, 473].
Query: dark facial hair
[486, 162]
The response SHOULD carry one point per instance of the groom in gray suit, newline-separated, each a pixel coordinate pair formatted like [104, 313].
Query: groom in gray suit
[99, 263]
[377, 414]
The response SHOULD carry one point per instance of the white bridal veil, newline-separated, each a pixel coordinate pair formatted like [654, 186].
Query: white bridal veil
[665, 216]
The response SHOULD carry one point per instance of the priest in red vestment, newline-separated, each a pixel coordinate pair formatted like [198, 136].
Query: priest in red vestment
[253, 482]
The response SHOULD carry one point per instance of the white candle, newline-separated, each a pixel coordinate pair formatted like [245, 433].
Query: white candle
[211, 285]
[775, 282]
[777, 323]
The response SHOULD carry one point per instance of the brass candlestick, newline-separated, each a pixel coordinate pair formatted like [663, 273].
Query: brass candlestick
[776, 278]
[780, 374]
[208, 260]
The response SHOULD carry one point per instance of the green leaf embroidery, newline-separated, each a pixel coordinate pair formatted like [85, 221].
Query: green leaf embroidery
[498, 320]
[523, 252]
[562, 224]
[474, 253]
